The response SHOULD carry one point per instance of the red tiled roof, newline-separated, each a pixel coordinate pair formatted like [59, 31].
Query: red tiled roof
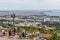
[46, 35]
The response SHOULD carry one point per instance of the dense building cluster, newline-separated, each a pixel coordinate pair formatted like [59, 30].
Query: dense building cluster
[29, 20]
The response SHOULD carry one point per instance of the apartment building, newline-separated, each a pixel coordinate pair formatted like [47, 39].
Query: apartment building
[52, 19]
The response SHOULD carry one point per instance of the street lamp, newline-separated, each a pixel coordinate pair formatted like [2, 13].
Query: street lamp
[13, 16]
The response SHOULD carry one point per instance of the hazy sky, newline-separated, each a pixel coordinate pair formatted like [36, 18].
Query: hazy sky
[30, 4]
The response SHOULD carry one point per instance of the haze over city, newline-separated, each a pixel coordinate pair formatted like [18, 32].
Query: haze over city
[29, 19]
[31, 5]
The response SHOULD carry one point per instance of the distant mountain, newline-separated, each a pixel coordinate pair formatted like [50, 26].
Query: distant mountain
[22, 12]
[52, 12]
[31, 12]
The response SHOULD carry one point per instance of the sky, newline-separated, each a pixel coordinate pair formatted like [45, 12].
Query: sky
[29, 4]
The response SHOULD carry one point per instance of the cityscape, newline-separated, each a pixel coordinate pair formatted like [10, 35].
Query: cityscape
[29, 25]
[29, 19]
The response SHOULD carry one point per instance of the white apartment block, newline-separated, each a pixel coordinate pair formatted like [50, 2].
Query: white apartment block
[52, 19]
